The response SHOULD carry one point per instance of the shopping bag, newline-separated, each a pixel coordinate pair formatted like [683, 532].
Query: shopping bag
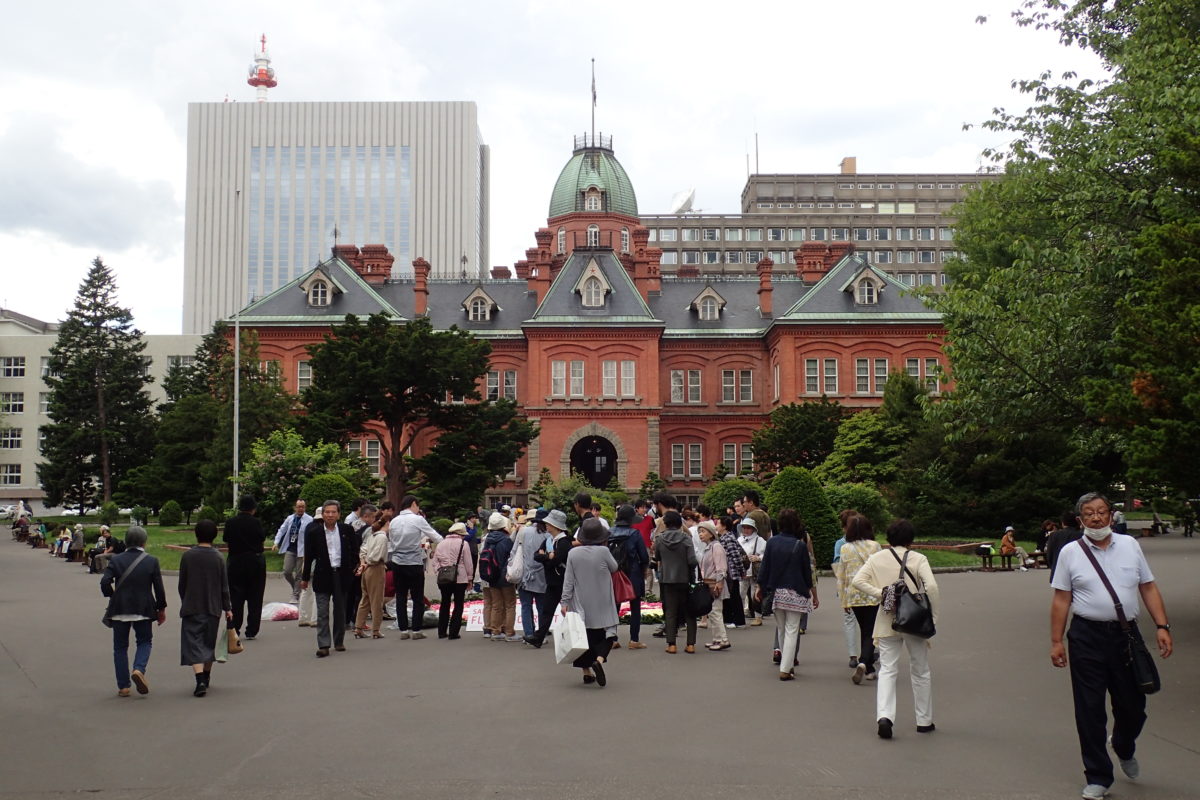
[222, 648]
[570, 638]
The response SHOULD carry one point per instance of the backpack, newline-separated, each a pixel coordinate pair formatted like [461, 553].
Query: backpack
[620, 551]
[489, 566]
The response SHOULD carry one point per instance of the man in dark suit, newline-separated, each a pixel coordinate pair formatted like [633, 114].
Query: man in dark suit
[133, 584]
[330, 561]
[247, 565]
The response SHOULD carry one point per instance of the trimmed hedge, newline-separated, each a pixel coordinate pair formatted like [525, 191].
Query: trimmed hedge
[208, 512]
[170, 514]
[795, 487]
[319, 488]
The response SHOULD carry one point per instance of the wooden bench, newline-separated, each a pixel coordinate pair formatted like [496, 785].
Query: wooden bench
[986, 562]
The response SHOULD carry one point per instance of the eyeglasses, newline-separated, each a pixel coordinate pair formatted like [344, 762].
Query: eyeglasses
[1095, 514]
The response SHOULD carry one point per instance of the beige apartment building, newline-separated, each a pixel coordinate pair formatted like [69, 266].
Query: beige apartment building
[25, 345]
[901, 222]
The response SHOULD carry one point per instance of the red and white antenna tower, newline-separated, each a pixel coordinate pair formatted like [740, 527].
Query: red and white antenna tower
[262, 75]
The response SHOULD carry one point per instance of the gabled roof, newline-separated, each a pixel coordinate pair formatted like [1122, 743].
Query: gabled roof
[708, 291]
[829, 300]
[286, 305]
[480, 293]
[623, 305]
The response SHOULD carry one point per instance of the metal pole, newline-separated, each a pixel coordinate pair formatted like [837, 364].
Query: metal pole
[237, 352]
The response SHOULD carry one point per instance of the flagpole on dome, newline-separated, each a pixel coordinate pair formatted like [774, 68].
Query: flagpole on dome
[593, 102]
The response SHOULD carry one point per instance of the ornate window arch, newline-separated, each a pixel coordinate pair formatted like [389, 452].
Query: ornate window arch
[593, 293]
[591, 200]
[318, 294]
[479, 310]
[593, 236]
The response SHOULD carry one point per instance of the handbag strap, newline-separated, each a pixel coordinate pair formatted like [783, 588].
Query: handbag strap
[1104, 579]
[904, 569]
[132, 567]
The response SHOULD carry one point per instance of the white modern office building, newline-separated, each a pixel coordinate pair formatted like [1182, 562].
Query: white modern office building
[269, 183]
[25, 345]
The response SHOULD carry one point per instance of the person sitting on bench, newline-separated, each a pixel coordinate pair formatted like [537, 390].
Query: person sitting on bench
[1009, 547]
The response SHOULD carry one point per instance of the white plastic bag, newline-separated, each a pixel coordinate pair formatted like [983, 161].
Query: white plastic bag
[570, 638]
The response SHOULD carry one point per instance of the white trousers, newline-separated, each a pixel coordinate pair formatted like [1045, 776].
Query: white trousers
[746, 588]
[787, 627]
[850, 631]
[918, 667]
[716, 622]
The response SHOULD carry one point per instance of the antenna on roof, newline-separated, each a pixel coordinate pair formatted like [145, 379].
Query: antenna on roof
[681, 203]
[593, 99]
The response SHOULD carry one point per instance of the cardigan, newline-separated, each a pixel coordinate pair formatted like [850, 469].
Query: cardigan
[203, 583]
[786, 565]
[882, 570]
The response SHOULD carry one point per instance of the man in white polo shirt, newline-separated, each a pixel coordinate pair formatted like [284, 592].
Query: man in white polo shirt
[1099, 653]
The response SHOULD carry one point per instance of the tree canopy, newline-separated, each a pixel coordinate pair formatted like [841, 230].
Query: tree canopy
[798, 434]
[101, 423]
[405, 382]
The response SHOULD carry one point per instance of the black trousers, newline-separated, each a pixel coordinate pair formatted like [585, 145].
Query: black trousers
[865, 616]
[599, 646]
[247, 582]
[674, 604]
[353, 596]
[410, 581]
[451, 624]
[731, 609]
[546, 605]
[1099, 660]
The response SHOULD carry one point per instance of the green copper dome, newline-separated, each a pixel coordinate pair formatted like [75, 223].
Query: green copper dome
[593, 165]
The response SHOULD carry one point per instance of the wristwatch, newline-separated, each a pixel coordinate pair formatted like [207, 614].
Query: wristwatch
[1166, 628]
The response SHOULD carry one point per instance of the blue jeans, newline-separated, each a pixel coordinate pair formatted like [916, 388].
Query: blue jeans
[143, 631]
[528, 599]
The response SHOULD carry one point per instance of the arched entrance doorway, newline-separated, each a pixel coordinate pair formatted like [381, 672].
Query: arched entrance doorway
[595, 458]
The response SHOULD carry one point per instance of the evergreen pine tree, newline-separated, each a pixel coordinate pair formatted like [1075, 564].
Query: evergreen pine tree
[101, 422]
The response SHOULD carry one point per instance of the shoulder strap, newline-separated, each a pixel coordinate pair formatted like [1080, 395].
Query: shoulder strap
[132, 567]
[1087, 551]
[904, 567]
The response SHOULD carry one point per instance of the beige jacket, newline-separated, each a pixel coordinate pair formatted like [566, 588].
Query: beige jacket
[883, 570]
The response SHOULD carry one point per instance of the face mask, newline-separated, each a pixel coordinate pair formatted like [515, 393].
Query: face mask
[1096, 534]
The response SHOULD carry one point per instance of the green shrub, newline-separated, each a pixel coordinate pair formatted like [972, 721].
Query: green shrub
[720, 496]
[208, 512]
[319, 488]
[109, 513]
[441, 525]
[795, 487]
[141, 515]
[863, 498]
[170, 514]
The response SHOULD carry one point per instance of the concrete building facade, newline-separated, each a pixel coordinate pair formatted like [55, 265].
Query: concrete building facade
[902, 223]
[268, 183]
[25, 345]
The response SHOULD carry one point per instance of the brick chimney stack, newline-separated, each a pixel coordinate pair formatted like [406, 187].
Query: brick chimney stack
[375, 263]
[501, 273]
[810, 261]
[764, 286]
[645, 264]
[420, 287]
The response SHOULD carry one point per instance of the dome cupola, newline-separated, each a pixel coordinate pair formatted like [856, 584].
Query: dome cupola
[593, 181]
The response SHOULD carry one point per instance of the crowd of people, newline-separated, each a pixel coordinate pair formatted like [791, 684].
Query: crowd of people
[716, 572]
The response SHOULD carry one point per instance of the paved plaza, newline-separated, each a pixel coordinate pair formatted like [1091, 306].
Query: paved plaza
[473, 719]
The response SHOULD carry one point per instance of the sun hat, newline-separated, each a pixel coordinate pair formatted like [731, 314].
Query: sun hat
[556, 519]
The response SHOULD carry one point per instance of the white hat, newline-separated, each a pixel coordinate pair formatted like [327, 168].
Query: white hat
[1009, 528]
[457, 527]
[497, 522]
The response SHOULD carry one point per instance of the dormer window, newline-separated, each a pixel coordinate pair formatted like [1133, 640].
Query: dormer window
[318, 294]
[479, 305]
[562, 240]
[593, 236]
[591, 200]
[709, 310]
[708, 305]
[867, 294]
[593, 293]
[624, 240]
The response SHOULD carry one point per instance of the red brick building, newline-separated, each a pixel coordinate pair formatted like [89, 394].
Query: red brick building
[624, 370]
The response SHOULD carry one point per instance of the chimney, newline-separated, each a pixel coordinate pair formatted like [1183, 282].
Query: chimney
[375, 263]
[836, 252]
[349, 254]
[522, 270]
[764, 286]
[645, 264]
[501, 273]
[420, 287]
[811, 262]
[849, 165]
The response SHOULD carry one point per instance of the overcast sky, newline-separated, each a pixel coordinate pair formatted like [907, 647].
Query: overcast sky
[93, 127]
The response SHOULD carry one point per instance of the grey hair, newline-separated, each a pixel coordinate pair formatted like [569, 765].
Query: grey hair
[135, 536]
[367, 508]
[1089, 497]
[333, 503]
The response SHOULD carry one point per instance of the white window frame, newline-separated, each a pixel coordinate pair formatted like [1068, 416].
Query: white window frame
[562, 240]
[304, 375]
[318, 294]
[831, 376]
[812, 376]
[576, 382]
[479, 310]
[881, 374]
[678, 460]
[866, 295]
[695, 463]
[10, 438]
[709, 309]
[12, 402]
[10, 474]
[558, 378]
[593, 236]
[593, 293]
[624, 240]
[12, 366]
[43, 402]
[608, 378]
[628, 378]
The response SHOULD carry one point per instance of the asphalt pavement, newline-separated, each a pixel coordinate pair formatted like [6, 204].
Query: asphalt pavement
[473, 719]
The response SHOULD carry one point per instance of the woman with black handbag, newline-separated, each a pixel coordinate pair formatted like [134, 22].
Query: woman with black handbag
[883, 571]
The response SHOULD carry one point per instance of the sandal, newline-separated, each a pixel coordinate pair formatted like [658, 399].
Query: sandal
[360, 633]
[376, 635]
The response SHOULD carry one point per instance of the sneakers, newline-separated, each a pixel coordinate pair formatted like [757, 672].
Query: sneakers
[513, 638]
[853, 662]
[416, 635]
[1094, 791]
[1128, 765]
[859, 672]
[405, 635]
[756, 622]
[885, 728]
[487, 634]
[139, 680]
[1024, 569]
